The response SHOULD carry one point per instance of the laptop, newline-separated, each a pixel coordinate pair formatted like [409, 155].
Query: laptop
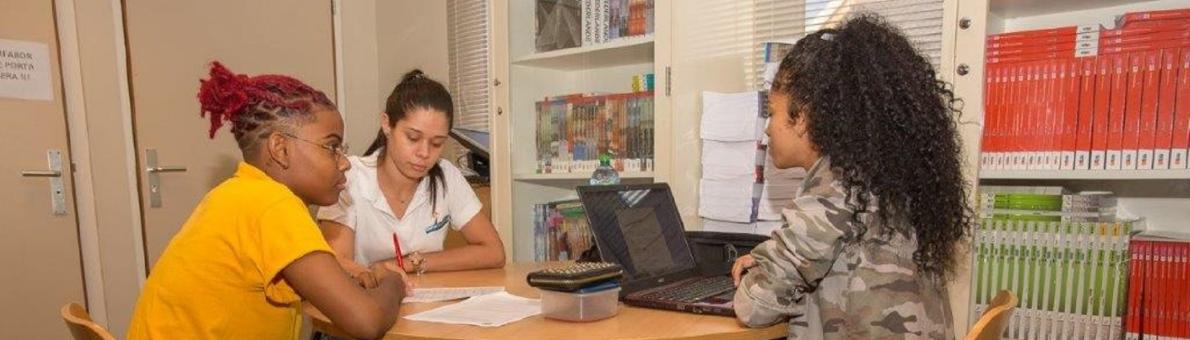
[638, 227]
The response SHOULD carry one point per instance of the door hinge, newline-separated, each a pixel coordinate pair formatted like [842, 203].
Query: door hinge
[668, 80]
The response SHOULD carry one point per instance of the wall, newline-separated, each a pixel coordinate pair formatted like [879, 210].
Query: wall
[361, 100]
[382, 40]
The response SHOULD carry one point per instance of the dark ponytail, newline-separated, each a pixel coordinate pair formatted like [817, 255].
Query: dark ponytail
[417, 91]
[873, 104]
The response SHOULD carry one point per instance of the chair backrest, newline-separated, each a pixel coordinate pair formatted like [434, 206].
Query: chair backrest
[993, 321]
[80, 324]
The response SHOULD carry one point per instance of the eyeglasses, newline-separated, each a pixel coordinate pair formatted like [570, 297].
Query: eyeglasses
[336, 151]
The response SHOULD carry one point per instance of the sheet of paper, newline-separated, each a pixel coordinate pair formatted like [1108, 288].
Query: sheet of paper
[447, 294]
[730, 117]
[491, 310]
[729, 201]
[728, 160]
[728, 227]
[25, 70]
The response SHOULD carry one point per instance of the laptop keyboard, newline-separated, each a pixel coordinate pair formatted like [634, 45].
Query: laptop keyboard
[697, 290]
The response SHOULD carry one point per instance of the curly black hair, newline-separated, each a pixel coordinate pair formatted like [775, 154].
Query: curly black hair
[873, 105]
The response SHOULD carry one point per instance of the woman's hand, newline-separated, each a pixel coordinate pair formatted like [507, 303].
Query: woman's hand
[742, 264]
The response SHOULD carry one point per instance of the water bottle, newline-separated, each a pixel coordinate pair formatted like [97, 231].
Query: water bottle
[605, 174]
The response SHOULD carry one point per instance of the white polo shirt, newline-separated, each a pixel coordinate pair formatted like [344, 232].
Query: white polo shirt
[363, 208]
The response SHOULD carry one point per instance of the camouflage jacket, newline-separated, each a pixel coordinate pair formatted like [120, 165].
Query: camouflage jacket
[831, 283]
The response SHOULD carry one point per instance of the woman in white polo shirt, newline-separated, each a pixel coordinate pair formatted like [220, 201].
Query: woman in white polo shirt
[400, 187]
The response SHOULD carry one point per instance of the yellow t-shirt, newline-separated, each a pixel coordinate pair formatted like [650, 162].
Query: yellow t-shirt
[220, 276]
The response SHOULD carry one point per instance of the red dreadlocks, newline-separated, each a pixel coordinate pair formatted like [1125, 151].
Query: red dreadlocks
[247, 102]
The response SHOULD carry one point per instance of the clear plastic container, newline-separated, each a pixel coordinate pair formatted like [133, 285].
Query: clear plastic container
[580, 306]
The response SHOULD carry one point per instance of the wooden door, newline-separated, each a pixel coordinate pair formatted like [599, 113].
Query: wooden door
[39, 249]
[170, 44]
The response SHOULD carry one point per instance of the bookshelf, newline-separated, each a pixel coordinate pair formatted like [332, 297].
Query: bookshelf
[1103, 175]
[530, 77]
[535, 177]
[1020, 15]
[627, 51]
[1159, 196]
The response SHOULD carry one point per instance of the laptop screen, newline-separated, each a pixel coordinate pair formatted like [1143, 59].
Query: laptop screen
[638, 227]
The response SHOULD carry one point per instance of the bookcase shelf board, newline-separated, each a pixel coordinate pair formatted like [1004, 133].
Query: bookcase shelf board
[626, 51]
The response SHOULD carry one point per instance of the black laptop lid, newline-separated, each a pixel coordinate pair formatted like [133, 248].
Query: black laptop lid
[638, 227]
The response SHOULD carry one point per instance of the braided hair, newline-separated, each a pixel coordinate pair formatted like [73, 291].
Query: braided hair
[256, 106]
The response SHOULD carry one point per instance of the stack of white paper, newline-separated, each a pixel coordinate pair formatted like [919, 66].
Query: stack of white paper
[734, 197]
[725, 200]
[729, 148]
[729, 117]
[491, 310]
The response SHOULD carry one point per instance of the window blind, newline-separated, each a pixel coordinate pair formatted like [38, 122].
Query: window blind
[468, 34]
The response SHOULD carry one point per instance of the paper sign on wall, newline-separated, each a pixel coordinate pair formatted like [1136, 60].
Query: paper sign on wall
[25, 70]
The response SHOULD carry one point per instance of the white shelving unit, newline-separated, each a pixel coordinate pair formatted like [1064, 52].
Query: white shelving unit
[1161, 196]
[532, 76]
[535, 177]
[1107, 175]
[1145, 193]
[627, 51]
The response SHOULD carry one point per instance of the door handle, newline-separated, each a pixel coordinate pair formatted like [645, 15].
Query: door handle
[57, 189]
[41, 173]
[165, 169]
[153, 172]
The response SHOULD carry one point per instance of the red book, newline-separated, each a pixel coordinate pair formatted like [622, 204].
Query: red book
[1027, 118]
[1086, 110]
[1058, 107]
[1034, 119]
[1163, 134]
[989, 90]
[1116, 111]
[1132, 313]
[1030, 57]
[1147, 46]
[996, 117]
[1164, 291]
[1004, 113]
[1181, 306]
[1034, 34]
[1170, 14]
[1145, 27]
[1181, 130]
[1185, 294]
[1130, 122]
[1103, 96]
[1148, 110]
[1026, 43]
[1015, 107]
[1133, 39]
[1147, 312]
[1070, 92]
[1041, 46]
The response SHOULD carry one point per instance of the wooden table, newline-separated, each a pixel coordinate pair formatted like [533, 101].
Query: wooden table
[631, 322]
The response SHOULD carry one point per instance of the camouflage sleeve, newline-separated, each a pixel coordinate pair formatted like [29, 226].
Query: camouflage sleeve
[793, 262]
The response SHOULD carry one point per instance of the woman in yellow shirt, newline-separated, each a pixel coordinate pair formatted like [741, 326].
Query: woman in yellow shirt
[250, 252]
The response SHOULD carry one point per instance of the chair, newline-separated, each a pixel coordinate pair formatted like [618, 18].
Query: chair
[993, 321]
[80, 324]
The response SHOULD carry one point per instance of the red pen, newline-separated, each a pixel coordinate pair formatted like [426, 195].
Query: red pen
[400, 258]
